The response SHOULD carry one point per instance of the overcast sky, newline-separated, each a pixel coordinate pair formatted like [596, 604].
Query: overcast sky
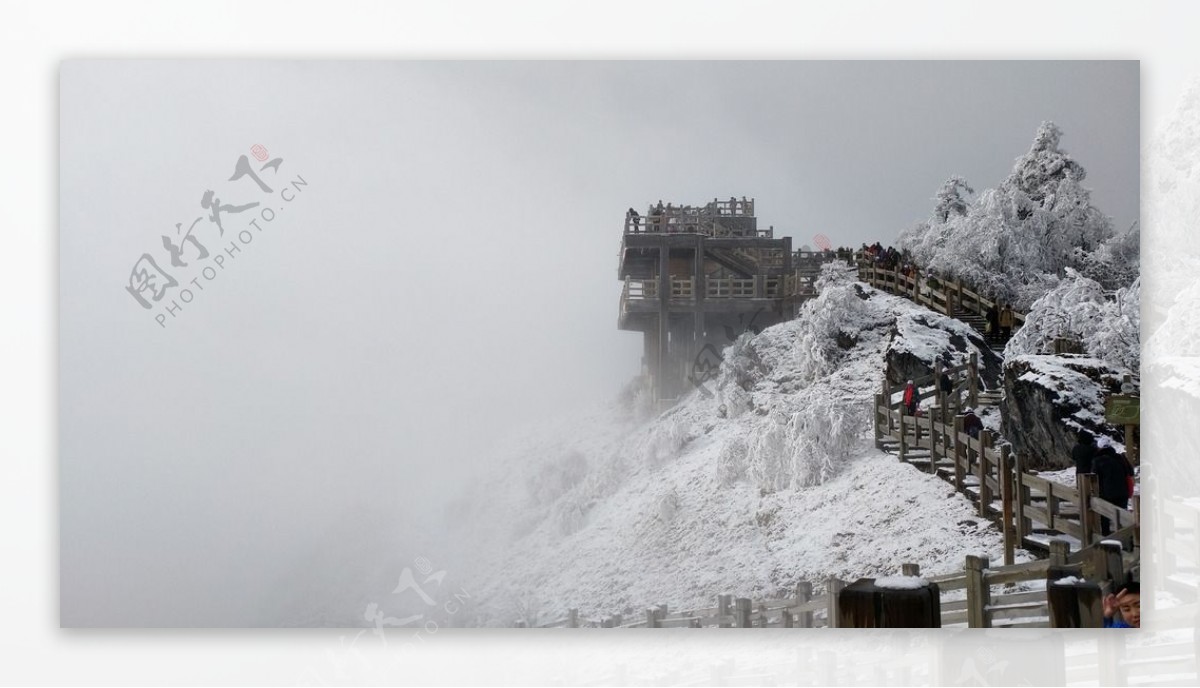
[448, 273]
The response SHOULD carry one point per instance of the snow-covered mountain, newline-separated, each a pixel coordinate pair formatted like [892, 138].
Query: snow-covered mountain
[764, 478]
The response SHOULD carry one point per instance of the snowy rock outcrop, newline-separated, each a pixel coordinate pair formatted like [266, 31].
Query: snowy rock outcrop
[922, 337]
[1048, 399]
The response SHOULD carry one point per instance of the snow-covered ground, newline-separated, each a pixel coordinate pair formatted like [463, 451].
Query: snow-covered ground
[763, 479]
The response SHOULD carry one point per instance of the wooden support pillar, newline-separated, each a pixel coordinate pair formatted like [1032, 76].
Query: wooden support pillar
[1074, 603]
[887, 401]
[1007, 490]
[878, 426]
[1112, 564]
[803, 596]
[1137, 522]
[1060, 551]
[741, 612]
[1085, 484]
[978, 592]
[959, 454]
[833, 587]
[699, 293]
[652, 618]
[864, 604]
[724, 610]
[903, 436]
[936, 433]
[973, 379]
[985, 492]
[661, 374]
[1024, 523]
[937, 385]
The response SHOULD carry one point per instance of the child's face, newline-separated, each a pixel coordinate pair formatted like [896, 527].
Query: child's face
[1131, 609]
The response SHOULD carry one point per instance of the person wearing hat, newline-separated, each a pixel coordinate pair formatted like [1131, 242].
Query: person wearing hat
[1083, 452]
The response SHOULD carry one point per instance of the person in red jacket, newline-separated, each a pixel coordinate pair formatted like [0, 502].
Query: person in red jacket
[910, 398]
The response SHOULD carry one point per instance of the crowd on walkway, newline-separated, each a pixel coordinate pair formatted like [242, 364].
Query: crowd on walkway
[999, 319]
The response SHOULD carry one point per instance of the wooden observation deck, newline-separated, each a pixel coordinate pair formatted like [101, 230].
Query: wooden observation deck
[697, 277]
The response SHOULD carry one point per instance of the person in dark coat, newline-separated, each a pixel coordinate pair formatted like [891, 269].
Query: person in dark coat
[1082, 453]
[1112, 473]
[993, 319]
[972, 425]
[946, 383]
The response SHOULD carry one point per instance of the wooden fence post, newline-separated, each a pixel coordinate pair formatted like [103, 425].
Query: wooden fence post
[887, 401]
[1112, 566]
[973, 380]
[652, 618]
[803, 596]
[1060, 550]
[1023, 523]
[1006, 496]
[1137, 521]
[985, 493]
[903, 437]
[978, 592]
[936, 431]
[1083, 483]
[741, 611]
[724, 611]
[875, 414]
[572, 618]
[959, 455]
[832, 587]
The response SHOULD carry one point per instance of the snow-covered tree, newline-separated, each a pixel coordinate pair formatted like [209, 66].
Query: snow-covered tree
[1015, 242]
[950, 199]
[1079, 309]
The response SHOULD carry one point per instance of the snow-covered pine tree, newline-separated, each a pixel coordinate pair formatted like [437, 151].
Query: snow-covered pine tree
[1015, 242]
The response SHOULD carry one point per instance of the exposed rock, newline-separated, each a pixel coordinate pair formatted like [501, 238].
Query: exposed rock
[1048, 399]
[918, 340]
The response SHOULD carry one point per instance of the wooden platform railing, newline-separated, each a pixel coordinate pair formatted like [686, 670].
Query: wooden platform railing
[950, 297]
[986, 471]
[683, 288]
[994, 597]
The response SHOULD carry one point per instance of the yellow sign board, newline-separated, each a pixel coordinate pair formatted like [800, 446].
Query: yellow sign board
[1122, 409]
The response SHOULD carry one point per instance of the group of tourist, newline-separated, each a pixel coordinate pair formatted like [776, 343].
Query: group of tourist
[663, 215]
[1113, 471]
